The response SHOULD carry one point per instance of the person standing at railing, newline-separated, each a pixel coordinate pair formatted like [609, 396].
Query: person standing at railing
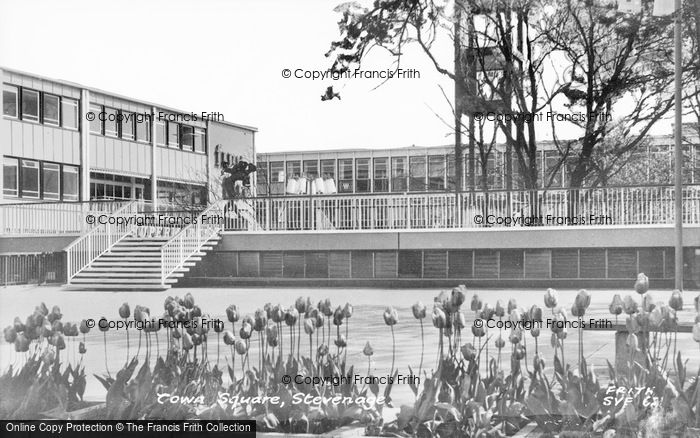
[292, 187]
[227, 191]
[302, 184]
[329, 187]
[317, 186]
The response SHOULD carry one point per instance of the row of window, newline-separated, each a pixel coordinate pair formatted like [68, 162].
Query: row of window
[33, 179]
[39, 107]
[112, 122]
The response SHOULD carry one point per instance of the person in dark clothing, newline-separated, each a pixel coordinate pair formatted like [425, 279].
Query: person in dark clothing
[226, 181]
[241, 172]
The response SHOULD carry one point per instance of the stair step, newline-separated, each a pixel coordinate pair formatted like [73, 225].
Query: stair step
[145, 269]
[154, 280]
[141, 258]
[117, 287]
[108, 274]
[133, 263]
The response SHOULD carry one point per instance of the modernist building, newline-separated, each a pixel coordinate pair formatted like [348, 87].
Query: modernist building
[61, 141]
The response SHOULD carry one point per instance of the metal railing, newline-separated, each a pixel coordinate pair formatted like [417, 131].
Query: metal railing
[190, 239]
[97, 241]
[51, 218]
[610, 206]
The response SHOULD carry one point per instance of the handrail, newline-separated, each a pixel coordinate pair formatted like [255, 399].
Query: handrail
[84, 250]
[181, 246]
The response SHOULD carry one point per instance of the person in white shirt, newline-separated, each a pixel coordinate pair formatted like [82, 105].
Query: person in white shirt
[317, 187]
[329, 187]
[301, 184]
[292, 187]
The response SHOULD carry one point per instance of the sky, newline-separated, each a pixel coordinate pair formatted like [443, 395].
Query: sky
[227, 56]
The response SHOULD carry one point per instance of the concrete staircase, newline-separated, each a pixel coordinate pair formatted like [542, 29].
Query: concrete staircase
[134, 263]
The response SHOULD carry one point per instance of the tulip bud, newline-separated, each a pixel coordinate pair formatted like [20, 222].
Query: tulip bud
[487, 312]
[367, 351]
[81, 348]
[278, 314]
[629, 305]
[457, 298]
[84, 329]
[632, 341]
[124, 311]
[468, 351]
[418, 310]
[439, 318]
[656, 317]
[59, 342]
[232, 313]
[260, 320]
[241, 347]
[535, 313]
[309, 326]
[188, 301]
[348, 309]
[516, 336]
[641, 286]
[103, 326]
[197, 339]
[338, 316]
[512, 305]
[499, 311]
[551, 298]
[616, 305]
[519, 352]
[535, 331]
[583, 299]
[320, 320]
[676, 300]
[391, 317]
[176, 334]
[577, 311]
[218, 326]
[55, 314]
[478, 331]
[327, 308]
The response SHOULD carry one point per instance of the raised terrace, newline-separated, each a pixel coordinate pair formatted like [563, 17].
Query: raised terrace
[604, 236]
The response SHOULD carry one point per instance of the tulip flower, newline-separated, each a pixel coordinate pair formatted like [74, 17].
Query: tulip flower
[478, 331]
[124, 311]
[229, 338]
[676, 300]
[232, 314]
[301, 305]
[188, 301]
[500, 343]
[583, 299]
[338, 316]
[516, 335]
[499, 310]
[648, 303]
[535, 313]
[271, 331]
[84, 329]
[514, 315]
[322, 350]
[55, 314]
[21, 343]
[460, 321]
[551, 298]
[246, 330]
[439, 318]
[641, 286]
[81, 347]
[368, 351]
[629, 305]
[309, 326]
[18, 325]
[291, 317]
[457, 298]
[260, 320]
[519, 352]
[348, 310]
[577, 311]
[340, 342]
[326, 307]
[535, 331]
[616, 305]
[468, 352]
[538, 362]
[391, 316]
[241, 347]
[59, 341]
[512, 305]
[196, 311]
[418, 310]
[656, 317]
[697, 304]
[632, 341]
[487, 312]
[278, 314]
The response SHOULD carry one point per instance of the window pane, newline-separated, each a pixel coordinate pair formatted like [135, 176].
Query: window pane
[50, 181]
[51, 109]
[111, 125]
[70, 183]
[398, 174]
[9, 176]
[96, 122]
[30, 179]
[160, 133]
[277, 179]
[143, 128]
[345, 176]
[69, 113]
[9, 100]
[261, 177]
[417, 173]
[436, 172]
[173, 135]
[127, 120]
[30, 105]
[328, 168]
[311, 169]
[200, 140]
[362, 183]
[381, 175]
[293, 169]
[187, 137]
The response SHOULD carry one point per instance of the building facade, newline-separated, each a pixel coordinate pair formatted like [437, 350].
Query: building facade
[64, 142]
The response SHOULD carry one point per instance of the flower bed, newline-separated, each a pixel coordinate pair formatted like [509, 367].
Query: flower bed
[482, 382]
